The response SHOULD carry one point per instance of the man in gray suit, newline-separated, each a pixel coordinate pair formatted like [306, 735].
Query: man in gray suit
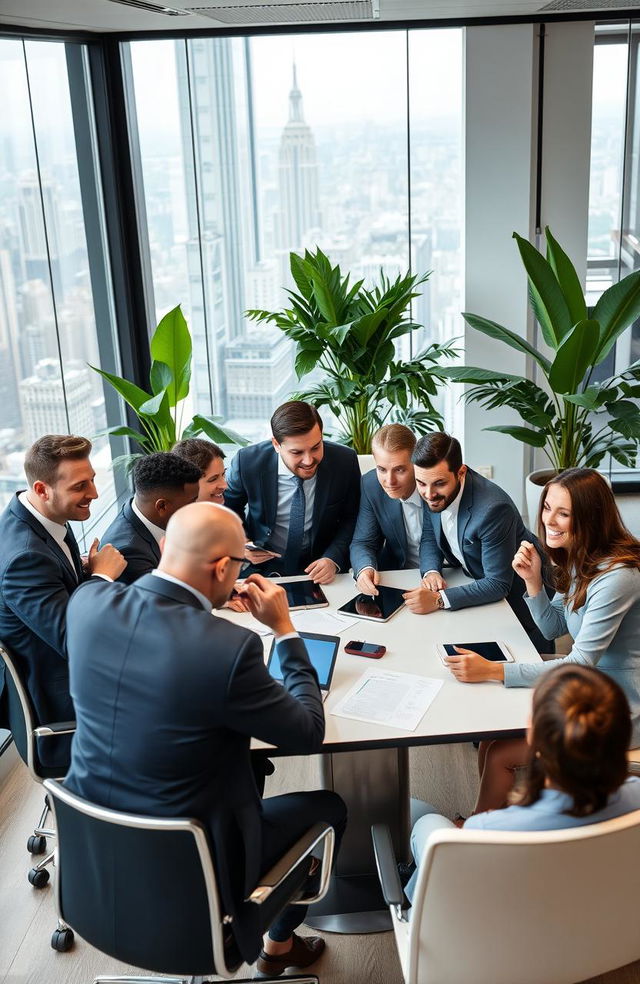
[474, 525]
[390, 531]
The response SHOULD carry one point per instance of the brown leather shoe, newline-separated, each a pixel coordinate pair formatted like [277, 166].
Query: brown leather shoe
[304, 951]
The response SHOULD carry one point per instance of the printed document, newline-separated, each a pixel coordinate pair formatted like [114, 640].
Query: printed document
[398, 700]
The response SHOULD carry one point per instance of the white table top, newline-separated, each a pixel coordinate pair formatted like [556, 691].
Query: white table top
[460, 712]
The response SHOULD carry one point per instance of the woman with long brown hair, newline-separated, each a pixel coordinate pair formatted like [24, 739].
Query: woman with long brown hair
[576, 764]
[596, 563]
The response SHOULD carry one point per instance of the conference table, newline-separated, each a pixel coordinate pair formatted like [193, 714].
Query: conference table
[368, 763]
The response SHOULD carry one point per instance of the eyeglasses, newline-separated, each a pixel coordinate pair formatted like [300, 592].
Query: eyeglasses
[239, 560]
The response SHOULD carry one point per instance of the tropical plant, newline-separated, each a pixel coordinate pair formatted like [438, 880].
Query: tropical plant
[573, 417]
[348, 333]
[160, 412]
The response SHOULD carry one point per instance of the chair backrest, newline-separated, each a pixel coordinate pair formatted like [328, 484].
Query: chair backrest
[141, 889]
[526, 908]
[21, 715]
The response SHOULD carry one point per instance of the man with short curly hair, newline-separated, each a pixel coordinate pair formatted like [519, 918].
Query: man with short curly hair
[163, 483]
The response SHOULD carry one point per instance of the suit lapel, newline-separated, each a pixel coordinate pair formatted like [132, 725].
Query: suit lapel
[464, 512]
[323, 485]
[25, 516]
[141, 529]
[269, 487]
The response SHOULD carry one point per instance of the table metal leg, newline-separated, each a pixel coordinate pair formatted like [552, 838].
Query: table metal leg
[375, 787]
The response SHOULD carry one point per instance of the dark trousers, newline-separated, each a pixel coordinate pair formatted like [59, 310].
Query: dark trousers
[284, 820]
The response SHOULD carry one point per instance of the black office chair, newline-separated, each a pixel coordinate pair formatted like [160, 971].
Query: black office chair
[26, 732]
[143, 890]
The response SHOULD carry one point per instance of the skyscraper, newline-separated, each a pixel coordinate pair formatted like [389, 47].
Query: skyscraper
[298, 180]
[42, 399]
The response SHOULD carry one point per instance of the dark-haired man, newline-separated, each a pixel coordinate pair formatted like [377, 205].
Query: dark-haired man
[475, 525]
[163, 482]
[298, 497]
[40, 568]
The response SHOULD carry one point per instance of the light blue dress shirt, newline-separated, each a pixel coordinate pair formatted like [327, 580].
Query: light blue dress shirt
[286, 489]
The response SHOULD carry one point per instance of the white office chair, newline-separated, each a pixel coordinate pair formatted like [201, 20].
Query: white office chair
[518, 908]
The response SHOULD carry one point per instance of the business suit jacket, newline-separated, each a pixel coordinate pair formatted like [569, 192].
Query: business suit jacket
[490, 529]
[167, 699]
[380, 537]
[252, 493]
[135, 542]
[36, 582]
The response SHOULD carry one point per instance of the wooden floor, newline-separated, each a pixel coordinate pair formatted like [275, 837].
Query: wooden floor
[445, 776]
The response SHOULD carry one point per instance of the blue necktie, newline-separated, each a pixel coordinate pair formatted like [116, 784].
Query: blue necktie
[296, 529]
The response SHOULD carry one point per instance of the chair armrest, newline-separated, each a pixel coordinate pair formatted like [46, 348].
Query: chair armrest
[387, 865]
[320, 833]
[57, 728]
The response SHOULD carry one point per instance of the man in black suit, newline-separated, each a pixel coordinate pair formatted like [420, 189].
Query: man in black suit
[40, 568]
[162, 482]
[300, 495]
[168, 697]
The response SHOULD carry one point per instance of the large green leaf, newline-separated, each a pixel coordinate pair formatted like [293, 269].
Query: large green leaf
[474, 374]
[307, 359]
[126, 432]
[171, 344]
[494, 330]
[202, 424]
[536, 439]
[130, 393]
[160, 376]
[574, 356]
[547, 299]
[617, 308]
[567, 278]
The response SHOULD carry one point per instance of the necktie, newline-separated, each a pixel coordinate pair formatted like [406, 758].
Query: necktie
[296, 529]
[70, 541]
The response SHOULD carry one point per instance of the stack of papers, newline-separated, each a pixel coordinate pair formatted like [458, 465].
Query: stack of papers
[398, 700]
[326, 623]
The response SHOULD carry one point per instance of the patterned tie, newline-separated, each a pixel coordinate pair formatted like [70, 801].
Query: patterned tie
[71, 542]
[296, 529]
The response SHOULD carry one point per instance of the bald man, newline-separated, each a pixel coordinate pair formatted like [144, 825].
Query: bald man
[168, 697]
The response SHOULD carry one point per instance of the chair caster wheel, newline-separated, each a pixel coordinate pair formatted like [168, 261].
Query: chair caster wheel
[37, 844]
[38, 878]
[62, 940]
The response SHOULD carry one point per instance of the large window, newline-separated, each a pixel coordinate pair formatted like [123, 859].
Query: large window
[251, 148]
[48, 327]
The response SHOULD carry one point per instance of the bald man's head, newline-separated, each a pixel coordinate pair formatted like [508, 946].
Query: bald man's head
[198, 539]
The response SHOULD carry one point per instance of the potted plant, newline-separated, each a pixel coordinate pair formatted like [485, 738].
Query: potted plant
[160, 412]
[348, 332]
[573, 418]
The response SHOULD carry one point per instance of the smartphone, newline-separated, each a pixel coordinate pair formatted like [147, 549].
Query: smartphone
[357, 648]
[256, 546]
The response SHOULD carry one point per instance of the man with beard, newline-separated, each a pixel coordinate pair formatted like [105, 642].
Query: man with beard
[475, 525]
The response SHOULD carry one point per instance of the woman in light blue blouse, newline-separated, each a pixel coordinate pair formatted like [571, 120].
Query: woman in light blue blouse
[576, 761]
[597, 570]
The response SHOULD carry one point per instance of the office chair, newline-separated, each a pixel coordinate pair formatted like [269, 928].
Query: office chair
[25, 732]
[517, 908]
[149, 895]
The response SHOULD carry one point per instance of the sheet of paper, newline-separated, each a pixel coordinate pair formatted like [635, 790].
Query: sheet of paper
[398, 700]
[319, 620]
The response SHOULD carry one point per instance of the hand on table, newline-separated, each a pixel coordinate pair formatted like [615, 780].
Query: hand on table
[421, 601]
[470, 667]
[367, 580]
[107, 561]
[322, 571]
[434, 581]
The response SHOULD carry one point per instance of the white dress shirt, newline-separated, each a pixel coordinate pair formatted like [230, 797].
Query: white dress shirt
[412, 514]
[287, 485]
[156, 531]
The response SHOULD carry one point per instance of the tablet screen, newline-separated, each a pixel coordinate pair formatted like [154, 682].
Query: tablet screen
[489, 650]
[305, 594]
[322, 654]
[382, 606]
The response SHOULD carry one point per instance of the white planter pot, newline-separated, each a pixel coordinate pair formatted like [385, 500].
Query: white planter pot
[366, 462]
[534, 484]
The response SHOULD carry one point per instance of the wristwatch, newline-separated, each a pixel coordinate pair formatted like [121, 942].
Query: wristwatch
[439, 600]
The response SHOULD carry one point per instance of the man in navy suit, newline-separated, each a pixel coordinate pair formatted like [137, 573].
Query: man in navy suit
[390, 531]
[474, 525]
[40, 568]
[298, 497]
[168, 697]
[162, 482]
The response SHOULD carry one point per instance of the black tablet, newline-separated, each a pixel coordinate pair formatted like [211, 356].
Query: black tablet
[378, 608]
[497, 652]
[304, 594]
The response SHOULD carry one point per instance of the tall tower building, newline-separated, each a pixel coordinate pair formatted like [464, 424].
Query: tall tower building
[298, 178]
[42, 400]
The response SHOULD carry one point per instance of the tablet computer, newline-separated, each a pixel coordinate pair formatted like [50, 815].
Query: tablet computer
[497, 652]
[378, 608]
[322, 650]
[304, 594]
